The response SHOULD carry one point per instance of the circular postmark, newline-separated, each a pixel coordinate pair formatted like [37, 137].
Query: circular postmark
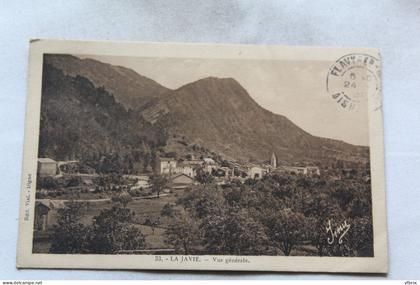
[352, 79]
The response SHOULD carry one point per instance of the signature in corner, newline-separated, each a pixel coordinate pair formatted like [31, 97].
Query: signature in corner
[337, 233]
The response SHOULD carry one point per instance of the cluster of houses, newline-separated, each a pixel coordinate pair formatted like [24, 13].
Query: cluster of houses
[183, 172]
[53, 168]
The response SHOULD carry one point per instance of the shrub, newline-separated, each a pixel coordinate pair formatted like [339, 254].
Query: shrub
[167, 210]
[47, 183]
[74, 181]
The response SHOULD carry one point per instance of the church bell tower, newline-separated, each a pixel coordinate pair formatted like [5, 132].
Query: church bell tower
[273, 161]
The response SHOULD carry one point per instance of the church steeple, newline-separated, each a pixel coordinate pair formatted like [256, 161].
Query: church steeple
[273, 161]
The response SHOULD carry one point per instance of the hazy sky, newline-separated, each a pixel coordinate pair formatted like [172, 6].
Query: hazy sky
[295, 89]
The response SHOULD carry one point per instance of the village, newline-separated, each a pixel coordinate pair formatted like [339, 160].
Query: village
[61, 183]
[180, 172]
[90, 189]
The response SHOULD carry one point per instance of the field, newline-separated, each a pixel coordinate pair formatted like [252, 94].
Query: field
[143, 208]
[280, 214]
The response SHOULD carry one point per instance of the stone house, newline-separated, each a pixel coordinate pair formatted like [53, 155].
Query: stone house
[46, 213]
[256, 172]
[181, 181]
[47, 167]
[165, 165]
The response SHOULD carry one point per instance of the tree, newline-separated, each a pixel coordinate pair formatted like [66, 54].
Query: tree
[123, 198]
[69, 234]
[167, 210]
[183, 233]
[146, 161]
[278, 214]
[357, 241]
[233, 232]
[317, 234]
[113, 230]
[203, 177]
[74, 181]
[343, 195]
[204, 201]
[361, 236]
[224, 163]
[47, 183]
[233, 196]
[152, 223]
[250, 182]
[319, 210]
[284, 228]
[159, 183]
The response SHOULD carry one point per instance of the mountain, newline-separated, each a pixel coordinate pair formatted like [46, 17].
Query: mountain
[219, 114]
[128, 87]
[81, 121]
[118, 110]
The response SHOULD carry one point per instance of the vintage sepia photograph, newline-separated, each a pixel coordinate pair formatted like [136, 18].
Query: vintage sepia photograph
[192, 156]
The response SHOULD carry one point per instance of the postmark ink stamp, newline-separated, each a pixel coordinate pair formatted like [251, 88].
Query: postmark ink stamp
[352, 78]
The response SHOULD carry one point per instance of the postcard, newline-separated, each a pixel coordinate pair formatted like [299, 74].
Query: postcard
[203, 157]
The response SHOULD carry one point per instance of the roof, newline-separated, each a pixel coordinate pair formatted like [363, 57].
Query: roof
[43, 203]
[251, 165]
[179, 175]
[51, 204]
[291, 167]
[139, 177]
[46, 160]
[166, 159]
[88, 181]
[192, 161]
[209, 160]
[183, 165]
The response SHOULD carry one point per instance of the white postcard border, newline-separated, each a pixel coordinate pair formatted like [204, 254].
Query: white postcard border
[27, 259]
